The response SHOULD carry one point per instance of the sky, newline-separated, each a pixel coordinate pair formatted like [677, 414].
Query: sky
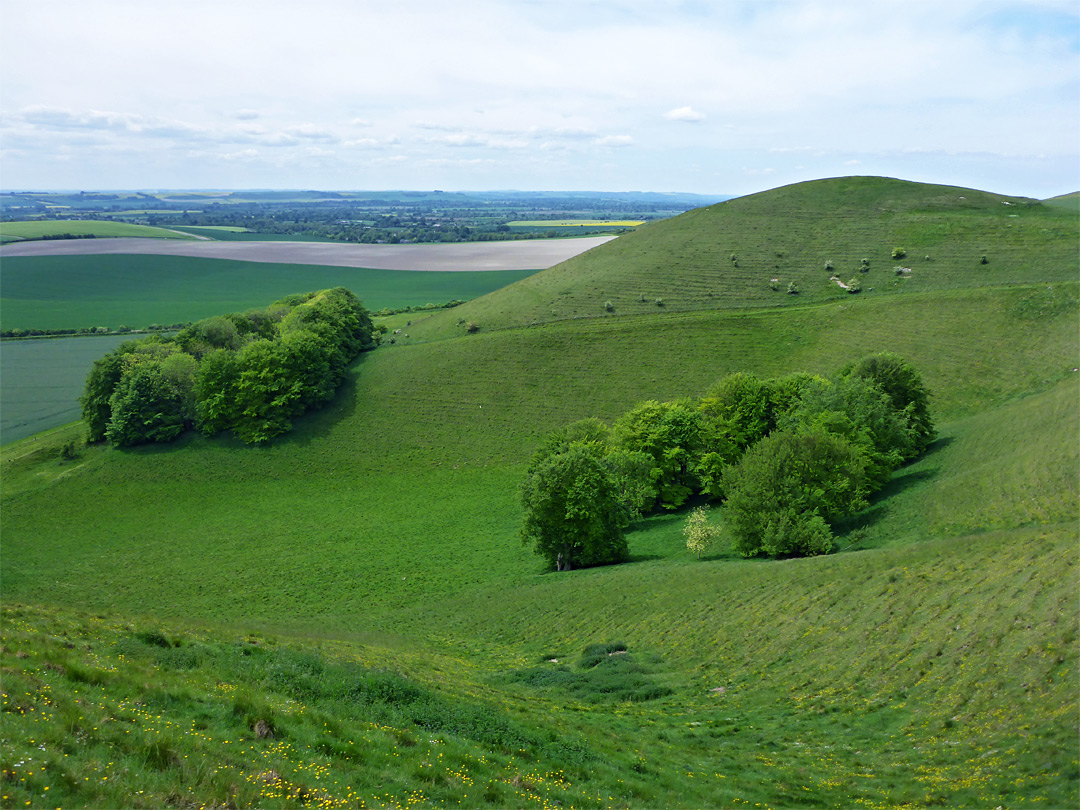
[721, 97]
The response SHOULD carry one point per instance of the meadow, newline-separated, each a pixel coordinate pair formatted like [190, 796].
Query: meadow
[347, 618]
[41, 229]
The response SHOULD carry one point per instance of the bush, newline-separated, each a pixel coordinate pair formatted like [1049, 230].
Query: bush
[699, 534]
[787, 488]
[609, 306]
[792, 288]
[898, 253]
[472, 326]
[854, 286]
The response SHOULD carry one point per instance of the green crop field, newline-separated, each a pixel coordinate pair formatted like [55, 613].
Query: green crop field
[227, 233]
[347, 618]
[60, 292]
[43, 380]
[40, 229]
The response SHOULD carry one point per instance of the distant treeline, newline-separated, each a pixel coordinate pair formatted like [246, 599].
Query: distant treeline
[249, 372]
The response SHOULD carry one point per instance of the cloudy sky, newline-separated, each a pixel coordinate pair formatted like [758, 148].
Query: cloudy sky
[716, 97]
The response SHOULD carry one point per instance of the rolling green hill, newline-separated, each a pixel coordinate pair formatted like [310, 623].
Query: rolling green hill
[789, 234]
[358, 586]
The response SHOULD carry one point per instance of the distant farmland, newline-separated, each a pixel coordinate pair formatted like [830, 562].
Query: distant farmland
[61, 292]
[81, 229]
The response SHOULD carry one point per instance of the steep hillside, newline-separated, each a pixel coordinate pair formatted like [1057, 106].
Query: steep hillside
[727, 255]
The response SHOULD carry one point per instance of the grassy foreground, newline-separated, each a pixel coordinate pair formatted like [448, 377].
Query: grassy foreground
[346, 617]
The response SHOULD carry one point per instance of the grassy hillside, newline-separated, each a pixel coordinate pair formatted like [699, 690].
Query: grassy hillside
[789, 234]
[22, 231]
[358, 586]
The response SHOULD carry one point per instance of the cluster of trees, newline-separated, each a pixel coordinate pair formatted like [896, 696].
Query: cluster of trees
[249, 372]
[787, 458]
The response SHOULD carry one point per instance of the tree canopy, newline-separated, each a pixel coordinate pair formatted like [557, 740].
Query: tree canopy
[251, 373]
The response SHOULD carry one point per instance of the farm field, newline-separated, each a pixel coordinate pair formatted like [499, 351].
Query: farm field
[347, 617]
[574, 223]
[43, 380]
[12, 232]
[534, 254]
[59, 292]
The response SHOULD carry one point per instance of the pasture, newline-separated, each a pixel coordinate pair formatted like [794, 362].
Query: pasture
[575, 223]
[347, 617]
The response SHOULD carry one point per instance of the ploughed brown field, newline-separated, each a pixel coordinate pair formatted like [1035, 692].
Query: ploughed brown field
[531, 254]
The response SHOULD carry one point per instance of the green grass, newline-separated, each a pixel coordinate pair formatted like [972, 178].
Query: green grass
[38, 229]
[360, 586]
[228, 233]
[789, 234]
[57, 292]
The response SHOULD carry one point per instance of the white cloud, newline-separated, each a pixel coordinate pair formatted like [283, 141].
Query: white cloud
[532, 88]
[615, 140]
[686, 114]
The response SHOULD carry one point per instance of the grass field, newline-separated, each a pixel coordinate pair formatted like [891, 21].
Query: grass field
[228, 233]
[358, 591]
[58, 292]
[21, 231]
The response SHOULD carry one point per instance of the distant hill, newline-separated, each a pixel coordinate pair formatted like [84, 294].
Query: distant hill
[1069, 201]
[746, 252]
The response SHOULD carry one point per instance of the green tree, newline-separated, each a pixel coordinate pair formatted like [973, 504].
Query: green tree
[671, 433]
[573, 516]
[146, 406]
[216, 402]
[787, 488]
[699, 533]
[902, 382]
[856, 409]
[101, 382]
[739, 405]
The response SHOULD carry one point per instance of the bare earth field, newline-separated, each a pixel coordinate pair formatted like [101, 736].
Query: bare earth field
[531, 254]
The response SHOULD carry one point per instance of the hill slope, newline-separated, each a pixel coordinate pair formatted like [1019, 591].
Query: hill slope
[359, 585]
[789, 234]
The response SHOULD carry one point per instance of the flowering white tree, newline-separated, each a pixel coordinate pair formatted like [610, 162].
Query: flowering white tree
[700, 535]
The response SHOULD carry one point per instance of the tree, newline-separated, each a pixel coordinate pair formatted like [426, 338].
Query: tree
[856, 409]
[699, 534]
[787, 488]
[899, 379]
[146, 406]
[671, 434]
[572, 513]
[740, 405]
[101, 382]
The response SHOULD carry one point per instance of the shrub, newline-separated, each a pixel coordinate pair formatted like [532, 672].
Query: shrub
[659, 302]
[609, 306]
[774, 284]
[853, 286]
[898, 253]
[984, 260]
[472, 326]
[792, 288]
[829, 266]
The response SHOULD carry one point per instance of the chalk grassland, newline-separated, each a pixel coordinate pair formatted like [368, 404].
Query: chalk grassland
[23, 231]
[59, 292]
[728, 255]
[459, 419]
[359, 587]
[914, 672]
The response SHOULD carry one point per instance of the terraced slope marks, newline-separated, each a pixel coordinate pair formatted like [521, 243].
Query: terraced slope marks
[727, 255]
